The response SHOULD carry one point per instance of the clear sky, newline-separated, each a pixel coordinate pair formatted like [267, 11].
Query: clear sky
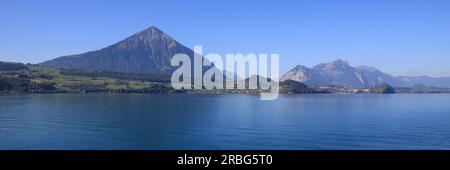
[400, 37]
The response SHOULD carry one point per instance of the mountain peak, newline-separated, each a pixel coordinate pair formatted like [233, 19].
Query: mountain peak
[367, 68]
[340, 62]
[151, 37]
[148, 51]
[151, 33]
[298, 67]
[153, 29]
[333, 66]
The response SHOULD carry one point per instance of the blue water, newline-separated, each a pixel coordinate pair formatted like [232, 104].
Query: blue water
[149, 121]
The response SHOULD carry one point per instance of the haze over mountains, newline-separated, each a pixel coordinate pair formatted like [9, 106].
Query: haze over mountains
[151, 50]
[340, 73]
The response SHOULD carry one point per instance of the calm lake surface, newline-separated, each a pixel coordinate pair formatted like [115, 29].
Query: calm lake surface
[151, 121]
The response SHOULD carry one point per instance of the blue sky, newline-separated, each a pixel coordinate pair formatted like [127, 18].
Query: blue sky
[404, 37]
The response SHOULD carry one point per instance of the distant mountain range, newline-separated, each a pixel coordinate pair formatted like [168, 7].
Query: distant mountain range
[151, 50]
[340, 73]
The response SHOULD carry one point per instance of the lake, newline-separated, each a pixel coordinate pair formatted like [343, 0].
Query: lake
[184, 121]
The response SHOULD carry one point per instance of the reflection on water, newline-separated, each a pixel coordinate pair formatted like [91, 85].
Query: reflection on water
[149, 121]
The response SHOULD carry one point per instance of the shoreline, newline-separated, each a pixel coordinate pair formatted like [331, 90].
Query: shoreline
[214, 93]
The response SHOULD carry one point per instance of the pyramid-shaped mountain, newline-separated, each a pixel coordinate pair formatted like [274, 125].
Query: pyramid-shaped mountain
[148, 51]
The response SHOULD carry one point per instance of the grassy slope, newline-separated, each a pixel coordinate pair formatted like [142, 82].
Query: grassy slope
[64, 80]
[74, 83]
